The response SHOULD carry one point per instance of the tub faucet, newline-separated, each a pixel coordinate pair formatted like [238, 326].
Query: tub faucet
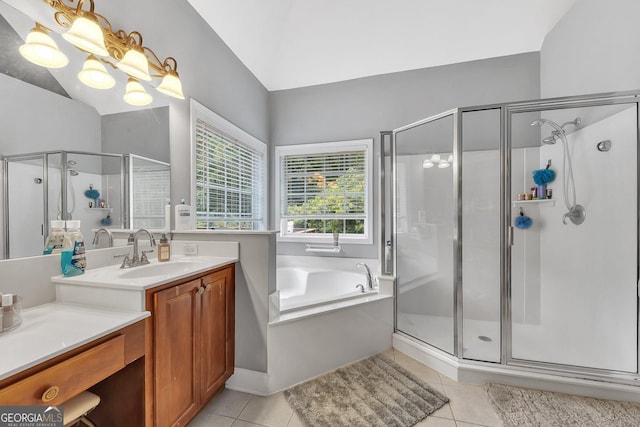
[96, 236]
[142, 259]
[368, 271]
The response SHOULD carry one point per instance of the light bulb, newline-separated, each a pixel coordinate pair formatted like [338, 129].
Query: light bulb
[95, 75]
[40, 49]
[135, 94]
[87, 35]
[427, 164]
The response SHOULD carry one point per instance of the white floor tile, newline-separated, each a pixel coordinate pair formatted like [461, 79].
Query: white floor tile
[470, 404]
[228, 403]
[205, 419]
[271, 411]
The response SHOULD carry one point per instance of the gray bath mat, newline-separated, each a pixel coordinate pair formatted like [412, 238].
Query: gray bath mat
[373, 392]
[523, 407]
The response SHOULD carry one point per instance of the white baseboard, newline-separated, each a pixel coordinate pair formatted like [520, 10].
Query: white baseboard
[478, 373]
[247, 381]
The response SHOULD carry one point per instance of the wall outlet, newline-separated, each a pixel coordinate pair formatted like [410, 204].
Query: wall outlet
[190, 249]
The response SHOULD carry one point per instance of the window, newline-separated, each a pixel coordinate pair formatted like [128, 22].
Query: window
[324, 189]
[228, 174]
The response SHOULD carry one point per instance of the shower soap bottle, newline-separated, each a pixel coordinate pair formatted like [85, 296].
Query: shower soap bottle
[55, 239]
[164, 249]
[73, 260]
[183, 217]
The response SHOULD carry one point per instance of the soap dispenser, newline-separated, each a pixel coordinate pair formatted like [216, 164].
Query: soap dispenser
[164, 249]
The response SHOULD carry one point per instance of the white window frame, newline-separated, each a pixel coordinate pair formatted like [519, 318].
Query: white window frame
[199, 111]
[322, 148]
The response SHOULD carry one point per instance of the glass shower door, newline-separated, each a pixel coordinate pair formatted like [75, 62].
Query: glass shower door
[424, 229]
[574, 256]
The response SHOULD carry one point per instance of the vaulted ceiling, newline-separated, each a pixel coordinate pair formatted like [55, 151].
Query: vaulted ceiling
[296, 43]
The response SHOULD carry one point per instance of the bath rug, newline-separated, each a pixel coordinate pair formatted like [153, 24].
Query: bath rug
[523, 407]
[372, 392]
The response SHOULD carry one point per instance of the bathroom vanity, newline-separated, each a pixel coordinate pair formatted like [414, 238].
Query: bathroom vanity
[193, 343]
[155, 342]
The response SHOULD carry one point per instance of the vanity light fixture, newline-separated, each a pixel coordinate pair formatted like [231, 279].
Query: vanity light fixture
[92, 33]
[436, 160]
[40, 49]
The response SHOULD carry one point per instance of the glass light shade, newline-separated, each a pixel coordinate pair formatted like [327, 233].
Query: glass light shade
[95, 75]
[87, 35]
[40, 49]
[427, 164]
[443, 165]
[135, 94]
[435, 158]
[450, 158]
[171, 85]
[135, 64]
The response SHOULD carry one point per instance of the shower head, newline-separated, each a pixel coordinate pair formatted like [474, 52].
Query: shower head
[73, 172]
[551, 139]
[71, 163]
[541, 122]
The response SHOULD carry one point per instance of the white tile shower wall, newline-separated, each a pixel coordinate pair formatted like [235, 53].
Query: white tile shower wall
[588, 293]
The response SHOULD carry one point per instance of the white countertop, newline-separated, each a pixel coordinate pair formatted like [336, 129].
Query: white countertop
[49, 330]
[134, 278]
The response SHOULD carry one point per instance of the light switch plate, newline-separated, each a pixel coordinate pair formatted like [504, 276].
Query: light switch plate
[190, 249]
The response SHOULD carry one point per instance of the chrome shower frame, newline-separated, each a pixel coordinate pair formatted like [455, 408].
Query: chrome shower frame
[64, 169]
[508, 364]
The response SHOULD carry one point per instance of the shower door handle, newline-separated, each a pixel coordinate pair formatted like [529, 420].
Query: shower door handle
[510, 235]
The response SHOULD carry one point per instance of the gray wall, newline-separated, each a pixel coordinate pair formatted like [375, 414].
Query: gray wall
[361, 108]
[142, 132]
[39, 120]
[594, 48]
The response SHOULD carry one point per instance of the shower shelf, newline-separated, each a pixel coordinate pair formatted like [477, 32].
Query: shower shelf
[539, 202]
[98, 209]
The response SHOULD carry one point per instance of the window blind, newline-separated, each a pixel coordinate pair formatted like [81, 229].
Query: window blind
[324, 192]
[229, 181]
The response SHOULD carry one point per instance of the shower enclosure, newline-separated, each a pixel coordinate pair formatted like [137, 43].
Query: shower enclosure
[495, 269]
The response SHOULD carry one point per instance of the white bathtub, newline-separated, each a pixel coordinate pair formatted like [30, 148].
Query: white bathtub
[322, 318]
[314, 281]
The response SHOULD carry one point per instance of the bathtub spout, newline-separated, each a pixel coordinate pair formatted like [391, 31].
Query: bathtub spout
[361, 287]
[369, 276]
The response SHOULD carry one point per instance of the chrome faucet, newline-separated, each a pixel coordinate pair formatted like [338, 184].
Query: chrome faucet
[368, 271]
[135, 260]
[96, 236]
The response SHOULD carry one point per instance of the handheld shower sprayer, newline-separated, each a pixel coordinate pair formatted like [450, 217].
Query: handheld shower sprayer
[576, 212]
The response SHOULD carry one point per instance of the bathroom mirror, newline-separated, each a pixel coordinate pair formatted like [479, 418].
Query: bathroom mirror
[50, 110]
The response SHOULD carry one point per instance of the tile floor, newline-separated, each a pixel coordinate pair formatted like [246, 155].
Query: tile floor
[468, 406]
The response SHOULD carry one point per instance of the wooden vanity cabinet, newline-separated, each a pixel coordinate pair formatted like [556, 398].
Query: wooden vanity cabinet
[112, 367]
[193, 343]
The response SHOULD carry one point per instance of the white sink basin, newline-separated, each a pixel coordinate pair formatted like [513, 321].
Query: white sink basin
[161, 269]
[145, 276]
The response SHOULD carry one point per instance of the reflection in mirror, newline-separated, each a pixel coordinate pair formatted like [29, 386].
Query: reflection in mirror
[59, 185]
[149, 182]
[50, 112]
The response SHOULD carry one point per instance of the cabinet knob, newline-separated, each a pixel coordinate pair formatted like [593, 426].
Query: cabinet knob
[201, 290]
[208, 287]
[50, 393]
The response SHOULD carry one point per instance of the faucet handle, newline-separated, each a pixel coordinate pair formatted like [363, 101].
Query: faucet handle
[143, 258]
[125, 260]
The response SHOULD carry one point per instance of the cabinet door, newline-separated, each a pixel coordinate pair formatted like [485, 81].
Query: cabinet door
[177, 392]
[214, 332]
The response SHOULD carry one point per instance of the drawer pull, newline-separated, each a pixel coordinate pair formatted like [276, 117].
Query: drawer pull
[50, 393]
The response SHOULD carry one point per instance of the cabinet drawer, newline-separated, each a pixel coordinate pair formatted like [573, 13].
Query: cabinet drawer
[56, 384]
